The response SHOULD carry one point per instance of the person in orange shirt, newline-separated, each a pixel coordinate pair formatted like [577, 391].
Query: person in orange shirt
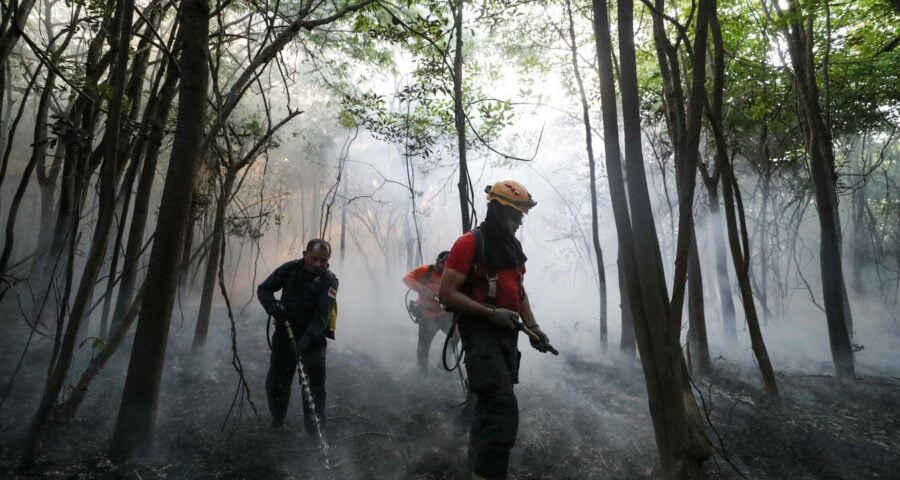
[428, 312]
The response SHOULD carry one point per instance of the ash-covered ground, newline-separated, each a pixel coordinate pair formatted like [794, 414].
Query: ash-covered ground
[580, 419]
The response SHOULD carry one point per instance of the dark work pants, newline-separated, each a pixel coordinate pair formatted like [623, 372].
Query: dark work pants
[492, 366]
[282, 364]
[428, 328]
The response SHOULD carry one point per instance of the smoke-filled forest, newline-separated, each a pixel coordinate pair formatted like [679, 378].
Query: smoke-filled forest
[711, 229]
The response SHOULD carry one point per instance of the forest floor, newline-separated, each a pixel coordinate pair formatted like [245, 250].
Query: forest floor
[579, 420]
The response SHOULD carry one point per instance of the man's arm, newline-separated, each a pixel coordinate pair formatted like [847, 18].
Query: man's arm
[413, 280]
[265, 292]
[525, 311]
[452, 296]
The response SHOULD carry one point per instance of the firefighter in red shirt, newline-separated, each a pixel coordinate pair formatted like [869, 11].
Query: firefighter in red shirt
[429, 313]
[482, 283]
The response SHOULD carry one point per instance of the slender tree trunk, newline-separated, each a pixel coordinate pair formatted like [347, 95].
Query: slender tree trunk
[820, 151]
[77, 142]
[730, 191]
[343, 241]
[725, 296]
[212, 262]
[589, 146]
[97, 251]
[38, 155]
[860, 226]
[131, 262]
[460, 120]
[699, 346]
[10, 31]
[763, 232]
[65, 412]
[135, 423]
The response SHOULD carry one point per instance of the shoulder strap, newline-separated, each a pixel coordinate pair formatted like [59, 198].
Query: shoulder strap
[478, 268]
[479, 244]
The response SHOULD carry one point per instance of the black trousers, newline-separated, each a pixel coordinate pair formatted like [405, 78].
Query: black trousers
[492, 365]
[282, 364]
[428, 328]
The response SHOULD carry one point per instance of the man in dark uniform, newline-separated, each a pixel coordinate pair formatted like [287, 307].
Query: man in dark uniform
[482, 283]
[429, 313]
[308, 292]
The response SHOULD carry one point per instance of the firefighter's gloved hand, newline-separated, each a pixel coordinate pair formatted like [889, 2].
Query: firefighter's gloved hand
[278, 311]
[427, 294]
[504, 318]
[542, 345]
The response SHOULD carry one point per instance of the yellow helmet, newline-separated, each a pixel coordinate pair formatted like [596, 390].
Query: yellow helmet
[510, 193]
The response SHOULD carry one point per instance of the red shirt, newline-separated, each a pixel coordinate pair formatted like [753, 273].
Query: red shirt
[509, 280]
[419, 280]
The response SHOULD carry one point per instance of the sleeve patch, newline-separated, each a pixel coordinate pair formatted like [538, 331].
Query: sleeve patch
[332, 292]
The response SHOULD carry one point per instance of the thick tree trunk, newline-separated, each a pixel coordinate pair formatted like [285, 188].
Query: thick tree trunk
[626, 341]
[135, 423]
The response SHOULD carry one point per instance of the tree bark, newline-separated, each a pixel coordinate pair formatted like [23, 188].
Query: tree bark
[682, 443]
[730, 191]
[459, 115]
[697, 341]
[726, 299]
[820, 151]
[97, 251]
[130, 263]
[135, 423]
[589, 147]
[212, 262]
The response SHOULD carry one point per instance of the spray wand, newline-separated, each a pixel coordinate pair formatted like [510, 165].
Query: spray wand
[307, 395]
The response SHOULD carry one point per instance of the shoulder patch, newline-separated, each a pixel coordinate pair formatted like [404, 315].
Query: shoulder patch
[332, 292]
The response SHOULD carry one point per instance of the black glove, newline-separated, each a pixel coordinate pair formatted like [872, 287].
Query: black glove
[504, 318]
[542, 345]
[277, 311]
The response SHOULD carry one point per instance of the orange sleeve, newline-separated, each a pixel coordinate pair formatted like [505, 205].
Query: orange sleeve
[413, 278]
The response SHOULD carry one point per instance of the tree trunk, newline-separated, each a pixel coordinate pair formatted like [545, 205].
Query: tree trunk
[699, 346]
[860, 226]
[730, 192]
[38, 155]
[212, 262]
[107, 194]
[131, 262]
[589, 147]
[626, 342]
[726, 299]
[460, 120]
[820, 151]
[679, 432]
[135, 423]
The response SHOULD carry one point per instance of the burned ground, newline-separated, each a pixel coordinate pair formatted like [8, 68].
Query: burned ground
[579, 419]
